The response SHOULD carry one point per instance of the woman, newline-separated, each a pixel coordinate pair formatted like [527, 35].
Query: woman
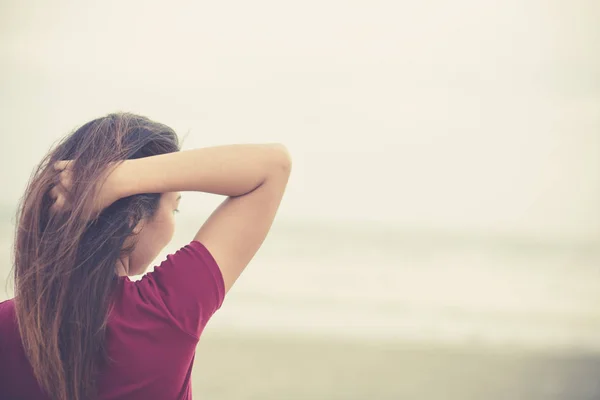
[100, 208]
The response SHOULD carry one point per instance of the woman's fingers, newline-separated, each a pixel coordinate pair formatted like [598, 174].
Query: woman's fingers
[61, 165]
[55, 192]
[60, 191]
[59, 204]
[60, 195]
[66, 179]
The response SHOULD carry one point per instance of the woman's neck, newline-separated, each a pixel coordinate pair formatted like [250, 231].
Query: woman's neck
[122, 267]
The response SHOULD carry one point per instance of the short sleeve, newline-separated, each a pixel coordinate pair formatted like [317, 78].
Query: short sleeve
[190, 285]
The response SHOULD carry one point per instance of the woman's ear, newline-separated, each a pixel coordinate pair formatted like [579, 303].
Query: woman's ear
[138, 228]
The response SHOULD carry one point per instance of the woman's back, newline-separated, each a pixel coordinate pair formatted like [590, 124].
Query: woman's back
[152, 331]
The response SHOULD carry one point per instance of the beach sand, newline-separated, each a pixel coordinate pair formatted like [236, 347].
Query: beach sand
[258, 366]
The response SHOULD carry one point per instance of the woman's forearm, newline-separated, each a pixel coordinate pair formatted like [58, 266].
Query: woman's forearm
[231, 170]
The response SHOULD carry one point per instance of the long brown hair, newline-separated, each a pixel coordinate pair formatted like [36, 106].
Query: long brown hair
[64, 263]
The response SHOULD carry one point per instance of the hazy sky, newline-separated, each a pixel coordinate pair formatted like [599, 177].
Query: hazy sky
[465, 114]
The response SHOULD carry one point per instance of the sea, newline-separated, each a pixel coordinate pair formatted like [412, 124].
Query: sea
[379, 282]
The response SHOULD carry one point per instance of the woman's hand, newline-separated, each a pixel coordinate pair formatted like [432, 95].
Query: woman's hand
[106, 189]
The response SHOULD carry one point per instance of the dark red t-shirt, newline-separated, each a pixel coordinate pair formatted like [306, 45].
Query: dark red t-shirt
[151, 335]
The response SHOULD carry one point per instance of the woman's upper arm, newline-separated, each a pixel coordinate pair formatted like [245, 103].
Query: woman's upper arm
[236, 229]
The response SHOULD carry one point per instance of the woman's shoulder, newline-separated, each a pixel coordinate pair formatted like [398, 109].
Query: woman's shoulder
[8, 318]
[188, 285]
[7, 307]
